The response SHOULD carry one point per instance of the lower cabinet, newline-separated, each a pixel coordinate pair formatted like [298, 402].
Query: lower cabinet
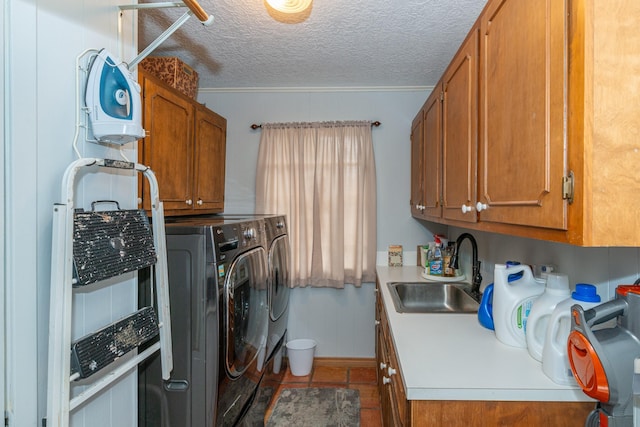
[494, 413]
[393, 399]
[398, 411]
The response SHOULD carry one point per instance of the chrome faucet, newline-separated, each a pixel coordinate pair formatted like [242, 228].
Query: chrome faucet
[453, 263]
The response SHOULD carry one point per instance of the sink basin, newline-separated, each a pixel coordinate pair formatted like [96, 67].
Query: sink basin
[420, 297]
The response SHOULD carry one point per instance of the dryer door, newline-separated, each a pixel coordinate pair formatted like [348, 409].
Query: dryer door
[279, 269]
[246, 313]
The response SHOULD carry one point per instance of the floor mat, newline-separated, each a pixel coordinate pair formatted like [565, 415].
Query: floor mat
[317, 407]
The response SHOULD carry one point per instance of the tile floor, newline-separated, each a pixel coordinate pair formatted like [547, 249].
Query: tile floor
[363, 379]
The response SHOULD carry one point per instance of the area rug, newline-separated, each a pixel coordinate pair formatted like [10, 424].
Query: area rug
[317, 407]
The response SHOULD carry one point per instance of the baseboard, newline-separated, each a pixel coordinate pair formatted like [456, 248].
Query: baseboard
[349, 362]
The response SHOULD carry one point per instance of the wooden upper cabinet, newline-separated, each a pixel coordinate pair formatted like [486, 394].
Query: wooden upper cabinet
[168, 146]
[556, 135]
[460, 132]
[432, 155]
[604, 122]
[426, 159]
[210, 147]
[417, 167]
[185, 147]
[522, 143]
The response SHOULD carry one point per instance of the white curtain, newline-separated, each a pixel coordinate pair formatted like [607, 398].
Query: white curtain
[322, 177]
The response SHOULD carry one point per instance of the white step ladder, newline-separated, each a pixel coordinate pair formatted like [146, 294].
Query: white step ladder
[87, 354]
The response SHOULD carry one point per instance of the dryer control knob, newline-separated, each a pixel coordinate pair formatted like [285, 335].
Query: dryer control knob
[250, 233]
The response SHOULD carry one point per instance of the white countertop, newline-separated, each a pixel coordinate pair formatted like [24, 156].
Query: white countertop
[452, 357]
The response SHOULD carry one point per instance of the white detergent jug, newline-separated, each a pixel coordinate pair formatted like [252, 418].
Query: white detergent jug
[555, 363]
[512, 302]
[556, 290]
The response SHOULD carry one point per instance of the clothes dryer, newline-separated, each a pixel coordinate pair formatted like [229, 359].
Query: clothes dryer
[279, 281]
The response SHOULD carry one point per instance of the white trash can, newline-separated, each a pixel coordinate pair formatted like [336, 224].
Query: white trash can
[300, 353]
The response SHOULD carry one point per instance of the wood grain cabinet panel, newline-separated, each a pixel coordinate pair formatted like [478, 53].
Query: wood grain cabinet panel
[417, 166]
[460, 132]
[432, 156]
[522, 144]
[168, 146]
[210, 148]
[604, 122]
[185, 147]
[426, 159]
[448, 177]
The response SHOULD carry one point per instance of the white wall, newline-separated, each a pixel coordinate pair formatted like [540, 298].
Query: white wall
[3, 84]
[39, 55]
[604, 267]
[340, 320]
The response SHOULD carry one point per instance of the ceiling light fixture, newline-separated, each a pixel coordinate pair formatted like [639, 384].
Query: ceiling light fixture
[290, 6]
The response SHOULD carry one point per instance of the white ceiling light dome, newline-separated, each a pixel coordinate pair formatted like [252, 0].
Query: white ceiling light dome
[290, 6]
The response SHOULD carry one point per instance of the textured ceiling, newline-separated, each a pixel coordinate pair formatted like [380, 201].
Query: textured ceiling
[341, 43]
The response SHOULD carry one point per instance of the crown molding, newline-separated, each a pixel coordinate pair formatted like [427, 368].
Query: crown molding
[315, 89]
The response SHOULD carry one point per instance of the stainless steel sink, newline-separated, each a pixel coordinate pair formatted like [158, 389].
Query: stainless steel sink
[421, 297]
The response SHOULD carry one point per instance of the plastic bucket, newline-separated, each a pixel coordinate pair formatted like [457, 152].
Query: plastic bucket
[300, 353]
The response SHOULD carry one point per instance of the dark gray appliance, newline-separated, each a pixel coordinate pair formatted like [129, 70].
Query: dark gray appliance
[278, 261]
[275, 368]
[218, 285]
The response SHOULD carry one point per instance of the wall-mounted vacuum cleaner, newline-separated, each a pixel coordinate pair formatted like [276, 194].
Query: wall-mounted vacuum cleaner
[602, 360]
[112, 98]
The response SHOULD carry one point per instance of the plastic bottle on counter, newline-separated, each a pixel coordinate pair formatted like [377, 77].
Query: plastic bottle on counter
[556, 290]
[485, 310]
[555, 363]
[512, 303]
[447, 253]
[435, 260]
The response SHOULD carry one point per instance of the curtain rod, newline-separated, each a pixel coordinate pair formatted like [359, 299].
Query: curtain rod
[255, 126]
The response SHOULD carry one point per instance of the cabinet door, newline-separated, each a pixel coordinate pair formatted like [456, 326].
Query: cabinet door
[460, 132]
[167, 148]
[210, 146]
[522, 145]
[417, 177]
[431, 155]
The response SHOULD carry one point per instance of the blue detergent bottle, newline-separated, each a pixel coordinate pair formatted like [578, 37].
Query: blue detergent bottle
[485, 311]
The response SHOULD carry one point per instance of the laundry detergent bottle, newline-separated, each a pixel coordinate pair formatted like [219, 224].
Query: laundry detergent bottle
[556, 290]
[512, 303]
[555, 362]
[485, 310]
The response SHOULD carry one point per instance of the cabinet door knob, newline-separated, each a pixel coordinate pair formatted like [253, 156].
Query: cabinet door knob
[481, 206]
[199, 202]
[391, 371]
[189, 202]
[377, 322]
[382, 365]
[466, 209]
[386, 380]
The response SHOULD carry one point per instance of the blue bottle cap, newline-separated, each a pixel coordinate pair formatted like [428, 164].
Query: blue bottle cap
[585, 292]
